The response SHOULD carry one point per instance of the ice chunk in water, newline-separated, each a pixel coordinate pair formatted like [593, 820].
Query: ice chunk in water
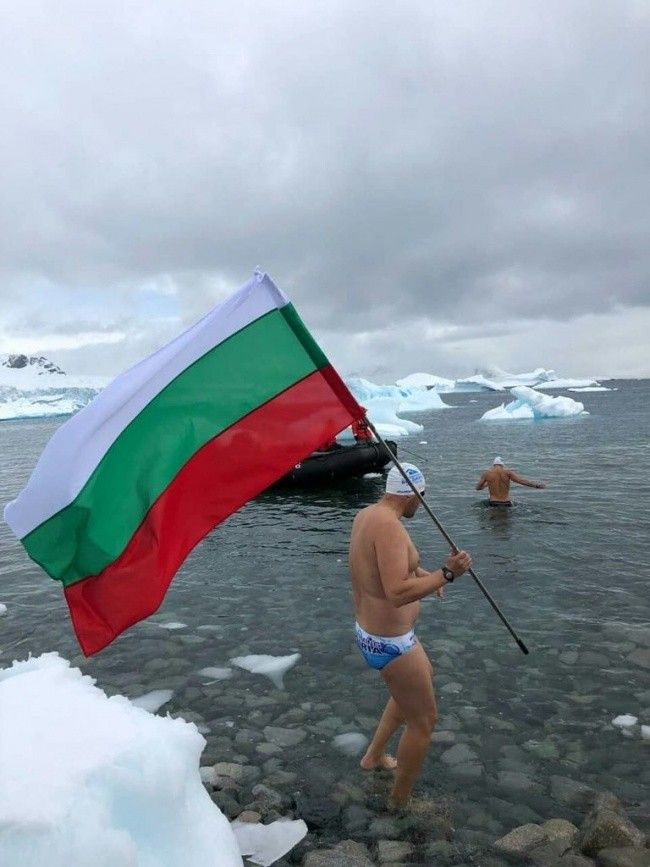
[173, 625]
[531, 404]
[3, 609]
[265, 844]
[154, 700]
[216, 673]
[624, 721]
[274, 667]
[351, 743]
[122, 787]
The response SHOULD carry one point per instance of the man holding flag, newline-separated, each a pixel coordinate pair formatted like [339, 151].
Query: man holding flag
[388, 584]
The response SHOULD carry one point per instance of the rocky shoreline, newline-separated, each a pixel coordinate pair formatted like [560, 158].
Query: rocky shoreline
[348, 826]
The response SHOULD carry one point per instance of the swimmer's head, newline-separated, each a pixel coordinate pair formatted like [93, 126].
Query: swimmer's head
[396, 484]
[497, 462]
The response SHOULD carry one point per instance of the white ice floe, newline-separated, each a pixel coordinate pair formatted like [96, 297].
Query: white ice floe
[3, 609]
[154, 700]
[568, 383]
[173, 625]
[351, 743]
[625, 721]
[477, 383]
[215, 673]
[91, 780]
[591, 388]
[274, 667]
[645, 733]
[371, 475]
[427, 380]
[531, 404]
[265, 844]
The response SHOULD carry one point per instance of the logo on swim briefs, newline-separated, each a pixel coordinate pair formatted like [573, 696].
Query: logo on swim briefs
[368, 644]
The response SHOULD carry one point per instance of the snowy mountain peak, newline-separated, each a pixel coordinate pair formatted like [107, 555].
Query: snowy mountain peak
[37, 364]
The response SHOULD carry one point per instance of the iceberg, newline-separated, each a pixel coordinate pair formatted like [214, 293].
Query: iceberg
[568, 383]
[414, 398]
[36, 388]
[531, 404]
[383, 404]
[427, 380]
[477, 383]
[530, 379]
[87, 779]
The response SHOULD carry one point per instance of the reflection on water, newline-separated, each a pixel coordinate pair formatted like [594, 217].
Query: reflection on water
[568, 566]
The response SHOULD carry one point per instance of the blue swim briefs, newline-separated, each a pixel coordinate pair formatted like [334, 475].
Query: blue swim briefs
[379, 650]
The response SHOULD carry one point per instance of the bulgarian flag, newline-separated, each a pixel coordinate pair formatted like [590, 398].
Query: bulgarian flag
[130, 484]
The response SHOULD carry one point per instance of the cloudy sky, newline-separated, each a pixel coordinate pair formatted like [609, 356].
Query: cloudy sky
[440, 185]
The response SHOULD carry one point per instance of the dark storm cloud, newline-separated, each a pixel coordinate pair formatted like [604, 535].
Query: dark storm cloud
[475, 164]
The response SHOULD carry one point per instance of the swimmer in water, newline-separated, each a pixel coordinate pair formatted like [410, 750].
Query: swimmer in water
[497, 480]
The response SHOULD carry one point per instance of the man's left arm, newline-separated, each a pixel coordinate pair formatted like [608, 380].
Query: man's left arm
[420, 573]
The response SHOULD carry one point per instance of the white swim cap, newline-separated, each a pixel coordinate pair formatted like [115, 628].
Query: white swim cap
[497, 462]
[395, 483]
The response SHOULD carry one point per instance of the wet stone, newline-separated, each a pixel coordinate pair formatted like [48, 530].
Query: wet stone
[516, 782]
[348, 853]
[284, 737]
[267, 796]
[623, 857]
[453, 688]
[606, 829]
[441, 852]
[570, 792]
[458, 754]
[267, 749]
[384, 827]
[393, 850]
[560, 829]
[280, 778]
[356, 818]
[249, 816]
[231, 770]
[228, 805]
[521, 840]
[317, 812]
[247, 736]
[443, 738]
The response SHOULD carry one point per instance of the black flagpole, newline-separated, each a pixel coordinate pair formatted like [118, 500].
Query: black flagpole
[453, 545]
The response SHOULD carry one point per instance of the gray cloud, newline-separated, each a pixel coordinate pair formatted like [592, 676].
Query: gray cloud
[480, 166]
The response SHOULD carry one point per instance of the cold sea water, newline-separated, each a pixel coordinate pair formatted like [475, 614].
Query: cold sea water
[519, 739]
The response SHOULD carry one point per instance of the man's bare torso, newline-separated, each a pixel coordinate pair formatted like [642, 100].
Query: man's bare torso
[373, 611]
[498, 482]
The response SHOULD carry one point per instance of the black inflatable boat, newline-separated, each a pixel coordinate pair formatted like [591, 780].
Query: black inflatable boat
[341, 462]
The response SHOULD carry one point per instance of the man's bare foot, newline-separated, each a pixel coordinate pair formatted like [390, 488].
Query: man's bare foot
[383, 763]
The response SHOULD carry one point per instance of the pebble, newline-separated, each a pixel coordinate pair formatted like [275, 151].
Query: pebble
[284, 737]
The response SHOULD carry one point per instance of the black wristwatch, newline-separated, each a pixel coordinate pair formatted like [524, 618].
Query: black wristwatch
[448, 574]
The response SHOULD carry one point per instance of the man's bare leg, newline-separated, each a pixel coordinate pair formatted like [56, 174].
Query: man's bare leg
[408, 679]
[375, 757]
